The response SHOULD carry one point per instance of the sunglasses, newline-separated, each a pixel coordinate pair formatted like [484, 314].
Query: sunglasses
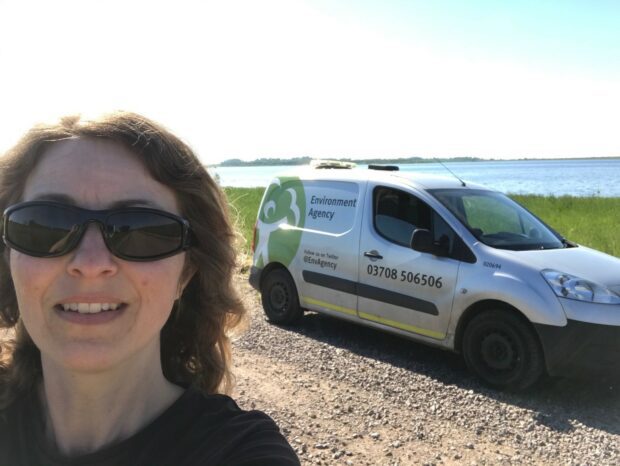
[52, 229]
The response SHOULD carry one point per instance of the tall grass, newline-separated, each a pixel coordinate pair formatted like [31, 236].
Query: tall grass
[590, 221]
[243, 204]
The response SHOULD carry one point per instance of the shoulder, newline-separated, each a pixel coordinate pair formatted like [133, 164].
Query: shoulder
[15, 407]
[232, 436]
[15, 419]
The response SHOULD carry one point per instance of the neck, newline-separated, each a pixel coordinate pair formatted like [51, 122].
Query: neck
[87, 411]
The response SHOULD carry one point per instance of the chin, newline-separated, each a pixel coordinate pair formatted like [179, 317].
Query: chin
[87, 358]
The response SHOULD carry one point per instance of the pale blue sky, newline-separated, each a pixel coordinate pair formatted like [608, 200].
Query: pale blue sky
[567, 35]
[325, 78]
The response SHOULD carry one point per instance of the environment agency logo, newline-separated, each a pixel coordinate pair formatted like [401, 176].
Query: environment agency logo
[284, 205]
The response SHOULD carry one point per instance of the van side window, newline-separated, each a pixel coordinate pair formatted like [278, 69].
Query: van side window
[397, 214]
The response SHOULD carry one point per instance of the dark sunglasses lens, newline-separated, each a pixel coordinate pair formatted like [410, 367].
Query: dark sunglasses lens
[42, 230]
[143, 235]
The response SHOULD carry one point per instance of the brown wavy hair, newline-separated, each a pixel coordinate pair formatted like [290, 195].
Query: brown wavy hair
[195, 345]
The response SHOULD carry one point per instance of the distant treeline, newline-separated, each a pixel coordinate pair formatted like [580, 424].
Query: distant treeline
[265, 161]
[306, 161]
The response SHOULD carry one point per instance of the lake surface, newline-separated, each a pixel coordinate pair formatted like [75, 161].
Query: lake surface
[591, 177]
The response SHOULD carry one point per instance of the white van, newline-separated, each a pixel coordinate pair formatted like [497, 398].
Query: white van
[440, 261]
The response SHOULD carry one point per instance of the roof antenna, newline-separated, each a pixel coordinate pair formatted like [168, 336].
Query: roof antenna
[451, 172]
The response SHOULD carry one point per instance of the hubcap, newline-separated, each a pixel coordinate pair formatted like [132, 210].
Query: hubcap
[497, 351]
[278, 298]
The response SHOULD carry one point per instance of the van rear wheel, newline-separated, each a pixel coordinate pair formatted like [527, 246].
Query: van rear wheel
[280, 299]
[500, 348]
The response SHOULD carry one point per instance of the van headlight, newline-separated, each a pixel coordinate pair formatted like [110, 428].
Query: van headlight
[568, 286]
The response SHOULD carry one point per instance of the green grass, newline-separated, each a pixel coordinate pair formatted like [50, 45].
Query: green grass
[590, 221]
[243, 209]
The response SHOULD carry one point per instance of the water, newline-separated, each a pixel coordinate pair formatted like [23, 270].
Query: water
[592, 177]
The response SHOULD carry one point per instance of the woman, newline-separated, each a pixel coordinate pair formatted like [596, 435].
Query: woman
[116, 279]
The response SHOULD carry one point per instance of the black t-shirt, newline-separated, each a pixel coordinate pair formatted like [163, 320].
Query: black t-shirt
[197, 430]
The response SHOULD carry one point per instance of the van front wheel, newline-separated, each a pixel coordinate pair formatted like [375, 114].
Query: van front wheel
[279, 296]
[502, 350]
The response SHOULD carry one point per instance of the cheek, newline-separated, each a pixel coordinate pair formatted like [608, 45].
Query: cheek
[158, 287]
[30, 275]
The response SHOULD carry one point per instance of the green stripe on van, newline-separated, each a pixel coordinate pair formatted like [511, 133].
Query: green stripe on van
[374, 318]
[332, 307]
[399, 325]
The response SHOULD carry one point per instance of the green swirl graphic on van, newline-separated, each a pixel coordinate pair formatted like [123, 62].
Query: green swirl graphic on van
[284, 205]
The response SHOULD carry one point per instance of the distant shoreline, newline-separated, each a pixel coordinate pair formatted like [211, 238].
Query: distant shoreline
[262, 162]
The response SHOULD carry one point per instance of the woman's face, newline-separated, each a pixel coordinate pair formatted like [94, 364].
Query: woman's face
[95, 174]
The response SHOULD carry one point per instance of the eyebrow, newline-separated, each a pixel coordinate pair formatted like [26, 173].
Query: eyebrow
[66, 199]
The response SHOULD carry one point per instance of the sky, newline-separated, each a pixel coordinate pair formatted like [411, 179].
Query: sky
[325, 78]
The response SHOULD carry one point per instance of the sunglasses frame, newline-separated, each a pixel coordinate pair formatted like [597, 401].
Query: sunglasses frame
[88, 216]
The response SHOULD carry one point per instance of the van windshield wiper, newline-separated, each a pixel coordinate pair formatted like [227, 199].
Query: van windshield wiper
[568, 243]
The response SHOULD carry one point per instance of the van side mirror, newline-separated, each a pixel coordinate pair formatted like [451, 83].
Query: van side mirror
[422, 241]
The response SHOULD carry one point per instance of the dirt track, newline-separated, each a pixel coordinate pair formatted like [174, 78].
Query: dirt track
[347, 395]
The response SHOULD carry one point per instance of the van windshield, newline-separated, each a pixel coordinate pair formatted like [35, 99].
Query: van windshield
[498, 221]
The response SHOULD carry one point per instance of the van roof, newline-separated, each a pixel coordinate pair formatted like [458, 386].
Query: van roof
[415, 179]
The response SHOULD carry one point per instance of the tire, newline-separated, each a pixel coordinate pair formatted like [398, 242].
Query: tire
[279, 296]
[502, 349]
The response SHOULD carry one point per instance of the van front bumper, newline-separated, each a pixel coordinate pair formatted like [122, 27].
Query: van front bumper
[581, 349]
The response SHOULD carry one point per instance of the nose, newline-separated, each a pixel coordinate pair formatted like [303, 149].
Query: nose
[91, 258]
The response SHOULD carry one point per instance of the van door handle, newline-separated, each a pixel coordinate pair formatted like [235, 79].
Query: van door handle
[373, 255]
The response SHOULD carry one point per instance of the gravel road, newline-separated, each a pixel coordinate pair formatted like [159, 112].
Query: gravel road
[347, 395]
